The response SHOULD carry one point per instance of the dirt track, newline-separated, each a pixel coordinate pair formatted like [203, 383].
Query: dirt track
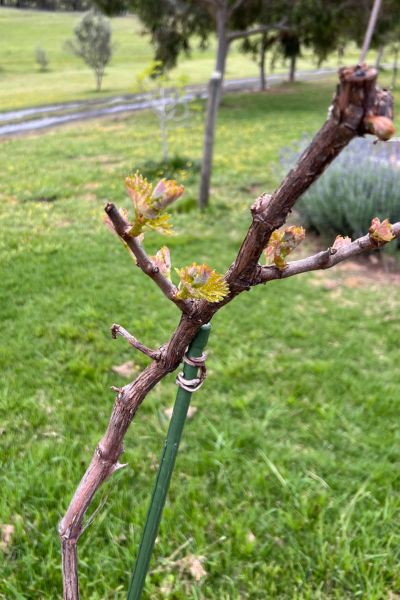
[37, 118]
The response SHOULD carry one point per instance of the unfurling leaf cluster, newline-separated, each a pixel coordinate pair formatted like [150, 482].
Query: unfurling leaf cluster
[281, 243]
[149, 204]
[381, 232]
[197, 282]
[200, 282]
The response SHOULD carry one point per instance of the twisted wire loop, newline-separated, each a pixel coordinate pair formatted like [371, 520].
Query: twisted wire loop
[192, 385]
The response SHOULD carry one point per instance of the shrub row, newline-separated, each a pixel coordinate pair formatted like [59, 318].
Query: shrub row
[362, 183]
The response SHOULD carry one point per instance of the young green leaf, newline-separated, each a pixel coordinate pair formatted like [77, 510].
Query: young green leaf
[380, 232]
[160, 224]
[200, 282]
[281, 243]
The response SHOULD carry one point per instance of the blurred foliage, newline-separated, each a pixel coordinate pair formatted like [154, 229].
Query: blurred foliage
[362, 183]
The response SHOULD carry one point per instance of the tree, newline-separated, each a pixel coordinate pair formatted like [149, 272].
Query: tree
[232, 21]
[322, 26]
[395, 65]
[289, 43]
[92, 43]
[41, 59]
[387, 26]
[258, 48]
[170, 105]
[359, 107]
[313, 24]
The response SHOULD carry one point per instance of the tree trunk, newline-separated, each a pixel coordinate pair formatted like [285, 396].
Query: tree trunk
[395, 66]
[99, 78]
[263, 50]
[163, 135]
[292, 68]
[214, 94]
[340, 55]
[379, 57]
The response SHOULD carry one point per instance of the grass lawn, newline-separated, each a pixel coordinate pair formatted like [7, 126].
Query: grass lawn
[287, 481]
[68, 78]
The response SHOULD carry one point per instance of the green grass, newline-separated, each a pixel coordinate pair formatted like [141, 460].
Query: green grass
[287, 479]
[68, 78]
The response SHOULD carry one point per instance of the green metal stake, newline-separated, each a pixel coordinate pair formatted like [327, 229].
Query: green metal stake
[166, 467]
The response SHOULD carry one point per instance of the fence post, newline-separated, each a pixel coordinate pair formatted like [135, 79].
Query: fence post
[166, 467]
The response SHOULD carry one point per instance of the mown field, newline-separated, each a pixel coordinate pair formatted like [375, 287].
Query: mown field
[68, 78]
[287, 482]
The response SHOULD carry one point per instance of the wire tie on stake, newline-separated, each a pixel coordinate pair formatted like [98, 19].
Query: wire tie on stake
[192, 385]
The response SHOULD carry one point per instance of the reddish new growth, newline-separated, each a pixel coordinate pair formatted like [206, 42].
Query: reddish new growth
[381, 232]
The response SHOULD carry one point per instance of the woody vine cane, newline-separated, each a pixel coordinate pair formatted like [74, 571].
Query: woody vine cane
[359, 107]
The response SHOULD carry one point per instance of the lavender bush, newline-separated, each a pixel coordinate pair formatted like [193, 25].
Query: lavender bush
[363, 182]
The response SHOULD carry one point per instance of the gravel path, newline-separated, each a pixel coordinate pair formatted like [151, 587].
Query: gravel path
[26, 120]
